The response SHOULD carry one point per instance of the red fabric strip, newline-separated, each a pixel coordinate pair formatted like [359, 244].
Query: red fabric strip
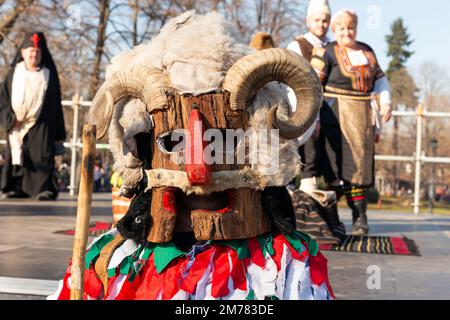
[92, 284]
[128, 291]
[172, 278]
[221, 273]
[151, 282]
[238, 272]
[65, 291]
[278, 248]
[197, 271]
[256, 252]
[319, 272]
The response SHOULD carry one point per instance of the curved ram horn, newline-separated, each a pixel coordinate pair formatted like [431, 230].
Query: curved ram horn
[147, 84]
[253, 71]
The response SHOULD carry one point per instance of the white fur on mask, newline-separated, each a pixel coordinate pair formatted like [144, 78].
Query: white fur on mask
[195, 51]
[129, 118]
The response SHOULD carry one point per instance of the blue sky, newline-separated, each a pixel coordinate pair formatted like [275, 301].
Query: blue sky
[428, 22]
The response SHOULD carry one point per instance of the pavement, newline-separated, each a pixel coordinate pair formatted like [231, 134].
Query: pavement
[33, 258]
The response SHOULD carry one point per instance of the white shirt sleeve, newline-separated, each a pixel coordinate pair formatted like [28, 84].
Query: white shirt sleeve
[295, 47]
[384, 89]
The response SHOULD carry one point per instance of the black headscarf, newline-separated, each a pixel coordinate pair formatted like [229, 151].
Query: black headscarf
[37, 40]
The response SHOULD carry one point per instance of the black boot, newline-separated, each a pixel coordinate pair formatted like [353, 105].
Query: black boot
[360, 225]
[357, 202]
[331, 216]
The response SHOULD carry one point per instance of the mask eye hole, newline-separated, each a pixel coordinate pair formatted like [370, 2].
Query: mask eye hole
[172, 141]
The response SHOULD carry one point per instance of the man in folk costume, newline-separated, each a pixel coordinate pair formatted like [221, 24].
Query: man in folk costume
[316, 210]
[357, 93]
[31, 114]
[201, 229]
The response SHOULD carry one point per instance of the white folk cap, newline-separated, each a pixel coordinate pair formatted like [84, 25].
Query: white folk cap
[318, 6]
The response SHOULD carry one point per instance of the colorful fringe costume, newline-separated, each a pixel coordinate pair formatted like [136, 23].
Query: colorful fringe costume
[265, 267]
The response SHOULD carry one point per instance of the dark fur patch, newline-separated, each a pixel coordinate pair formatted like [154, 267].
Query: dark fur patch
[137, 222]
[278, 205]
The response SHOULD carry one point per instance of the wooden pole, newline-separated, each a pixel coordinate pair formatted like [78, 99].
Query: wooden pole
[83, 213]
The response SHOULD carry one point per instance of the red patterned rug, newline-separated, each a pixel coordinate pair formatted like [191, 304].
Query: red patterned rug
[376, 244]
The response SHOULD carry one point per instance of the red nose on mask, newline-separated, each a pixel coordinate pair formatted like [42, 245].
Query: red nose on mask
[198, 172]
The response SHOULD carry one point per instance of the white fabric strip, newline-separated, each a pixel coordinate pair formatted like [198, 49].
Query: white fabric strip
[126, 249]
[116, 286]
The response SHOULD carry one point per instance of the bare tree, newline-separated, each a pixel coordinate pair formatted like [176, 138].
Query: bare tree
[100, 45]
[10, 18]
[283, 19]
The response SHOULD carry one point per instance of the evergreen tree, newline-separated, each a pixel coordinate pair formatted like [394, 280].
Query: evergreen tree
[398, 44]
[402, 84]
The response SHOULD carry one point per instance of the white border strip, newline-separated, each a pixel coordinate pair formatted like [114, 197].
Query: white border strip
[24, 286]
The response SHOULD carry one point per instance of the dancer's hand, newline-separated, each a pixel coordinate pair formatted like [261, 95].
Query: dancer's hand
[386, 112]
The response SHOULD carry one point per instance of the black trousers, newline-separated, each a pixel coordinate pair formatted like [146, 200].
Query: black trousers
[315, 154]
[15, 182]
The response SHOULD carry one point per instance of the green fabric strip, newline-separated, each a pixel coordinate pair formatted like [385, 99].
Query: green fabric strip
[240, 246]
[270, 249]
[111, 273]
[251, 295]
[96, 248]
[137, 253]
[313, 246]
[127, 264]
[266, 244]
[147, 252]
[295, 242]
[164, 253]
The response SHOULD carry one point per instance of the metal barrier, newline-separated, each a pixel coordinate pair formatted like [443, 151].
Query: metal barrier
[418, 157]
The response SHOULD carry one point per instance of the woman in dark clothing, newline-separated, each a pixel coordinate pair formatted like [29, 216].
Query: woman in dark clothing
[31, 114]
[357, 100]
